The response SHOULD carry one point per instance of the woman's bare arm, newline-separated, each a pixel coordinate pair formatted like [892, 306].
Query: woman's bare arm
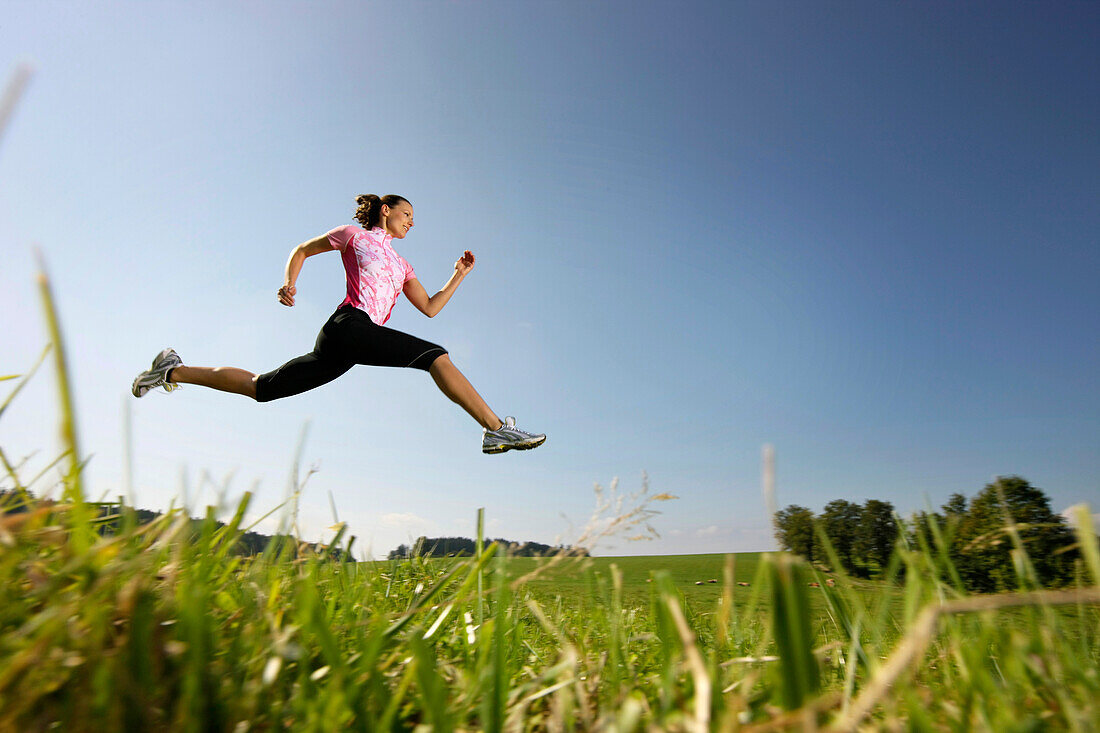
[294, 265]
[430, 306]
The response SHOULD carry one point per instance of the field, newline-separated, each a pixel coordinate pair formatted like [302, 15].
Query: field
[577, 583]
[155, 628]
[684, 572]
[162, 627]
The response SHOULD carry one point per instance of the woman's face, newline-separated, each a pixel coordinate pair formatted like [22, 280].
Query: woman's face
[397, 220]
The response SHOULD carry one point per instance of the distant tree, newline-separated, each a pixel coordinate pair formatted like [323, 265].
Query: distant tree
[840, 523]
[111, 516]
[921, 534]
[945, 522]
[932, 532]
[984, 546]
[878, 532]
[955, 506]
[920, 528]
[795, 530]
[950, 518]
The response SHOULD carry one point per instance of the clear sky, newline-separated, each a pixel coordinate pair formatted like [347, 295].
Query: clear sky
[867, 233]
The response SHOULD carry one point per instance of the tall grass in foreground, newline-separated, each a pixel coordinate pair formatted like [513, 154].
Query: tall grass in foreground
[151, 628]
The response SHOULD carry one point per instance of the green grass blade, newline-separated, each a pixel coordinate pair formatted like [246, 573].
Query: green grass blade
[84, 533]
[1086, 538]
[791, 628]
[480, 545]
[423, 601]
[495, 703]
[432, 685]
[397, 697]
[23, 382]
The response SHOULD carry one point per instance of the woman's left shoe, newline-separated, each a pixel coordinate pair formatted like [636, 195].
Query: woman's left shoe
[509, 437]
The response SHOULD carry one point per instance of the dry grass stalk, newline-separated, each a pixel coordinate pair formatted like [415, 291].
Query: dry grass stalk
[923, 629]
[695, 664]
[599, 527]
[18, 83]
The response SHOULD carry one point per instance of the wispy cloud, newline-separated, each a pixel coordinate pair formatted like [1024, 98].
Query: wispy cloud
[707, 531]
[405, 520]
[1070, 513]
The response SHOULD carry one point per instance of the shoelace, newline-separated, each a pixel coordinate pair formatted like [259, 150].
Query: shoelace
[508, 424]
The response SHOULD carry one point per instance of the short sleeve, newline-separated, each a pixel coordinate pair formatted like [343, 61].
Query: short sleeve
[339, 237]
[409, 274]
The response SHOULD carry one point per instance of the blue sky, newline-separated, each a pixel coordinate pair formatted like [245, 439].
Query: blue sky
[866, 233]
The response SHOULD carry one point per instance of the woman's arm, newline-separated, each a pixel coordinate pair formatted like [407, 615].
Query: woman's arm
[430, 306]
[294, 265]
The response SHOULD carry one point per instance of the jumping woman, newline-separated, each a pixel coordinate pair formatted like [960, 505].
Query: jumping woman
[355, 334]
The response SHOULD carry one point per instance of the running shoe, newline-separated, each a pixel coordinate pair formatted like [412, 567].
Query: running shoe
[509, 437]
[157, 375]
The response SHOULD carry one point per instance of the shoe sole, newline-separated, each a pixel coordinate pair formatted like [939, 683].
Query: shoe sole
[142, 385]
[505, 447]
[146, 382]
[149, 379]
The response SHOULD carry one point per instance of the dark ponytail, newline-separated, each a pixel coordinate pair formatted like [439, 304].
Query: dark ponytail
[369, 213]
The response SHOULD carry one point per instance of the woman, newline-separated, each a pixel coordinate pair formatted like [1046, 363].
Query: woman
[376, 276]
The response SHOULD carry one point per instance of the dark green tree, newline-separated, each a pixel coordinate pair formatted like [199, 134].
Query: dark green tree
[984, 546]
[840, 522]
[795, 530]
[920, 529]
[464, 546]
[878, 531]
[953, 511]
[955, 506]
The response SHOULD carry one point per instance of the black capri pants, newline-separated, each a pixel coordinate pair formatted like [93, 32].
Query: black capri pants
[349, 337]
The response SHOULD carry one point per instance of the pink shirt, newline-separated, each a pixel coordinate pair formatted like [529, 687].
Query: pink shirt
[375, 273]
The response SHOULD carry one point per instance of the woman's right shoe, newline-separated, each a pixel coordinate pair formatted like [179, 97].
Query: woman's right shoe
[157, 375]
[509, 437]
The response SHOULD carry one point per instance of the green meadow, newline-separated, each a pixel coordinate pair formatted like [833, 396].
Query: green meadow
[581, 580]
[153, 627]
[108, 624]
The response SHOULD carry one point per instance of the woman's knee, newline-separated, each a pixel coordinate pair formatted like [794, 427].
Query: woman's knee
[442, 361]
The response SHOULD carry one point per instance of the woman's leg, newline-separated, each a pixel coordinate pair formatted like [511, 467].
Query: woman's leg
[225, 379]
[296, 376]
[455, 385]
[320, 366]
[360, 339]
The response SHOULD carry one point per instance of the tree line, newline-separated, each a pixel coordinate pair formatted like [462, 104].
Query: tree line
[973, 533]
[109, 519]
[464, 546]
